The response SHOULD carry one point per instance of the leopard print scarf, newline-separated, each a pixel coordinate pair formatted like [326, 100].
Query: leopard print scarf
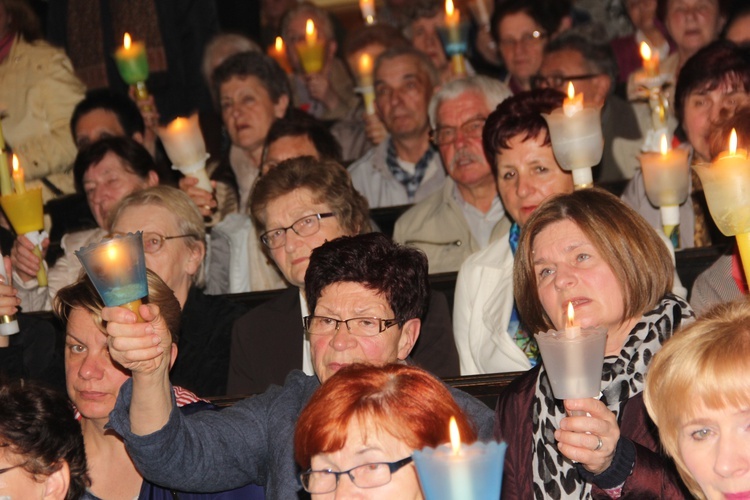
[555, 477]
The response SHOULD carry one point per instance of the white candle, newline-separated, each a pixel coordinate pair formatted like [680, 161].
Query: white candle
[183, 141]
[571, 329]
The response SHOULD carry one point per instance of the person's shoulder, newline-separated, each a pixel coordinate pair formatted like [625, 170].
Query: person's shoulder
[221, 307]
[425, 208]
[78, 239]
[494, 256]
[365, 164]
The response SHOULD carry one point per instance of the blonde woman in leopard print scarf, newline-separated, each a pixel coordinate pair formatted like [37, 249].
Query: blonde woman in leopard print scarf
[590, 249]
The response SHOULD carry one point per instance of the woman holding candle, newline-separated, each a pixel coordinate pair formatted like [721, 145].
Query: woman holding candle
[711, 85]
[174, 244]
[93, 380]
[486, 325]
[38, 91]
[589, 249]
[698, 395]
[363, 420]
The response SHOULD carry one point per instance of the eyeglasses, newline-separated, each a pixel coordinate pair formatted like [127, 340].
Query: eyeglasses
[526, 39]
[318, 482]
[472, 129]
[359, 327]
[557, 81]
[152, 242]
[306, 226]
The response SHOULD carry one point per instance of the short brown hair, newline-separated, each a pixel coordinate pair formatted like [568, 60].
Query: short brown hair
[83, 295]
[637, 256]
[328, 182]
[704, 364]
[405, 401]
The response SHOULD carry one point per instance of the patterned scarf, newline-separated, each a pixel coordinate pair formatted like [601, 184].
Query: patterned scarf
[555, 476]
[410, 182]
[522, 339]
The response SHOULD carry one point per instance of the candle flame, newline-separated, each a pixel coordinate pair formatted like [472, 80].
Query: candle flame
[455, 436]
[112, 252]
[645, 51]
[571, 315]
[279, 44]
[733, 142]
[365, 64]
[571, 91]
[177, 124]
[449, 8]
[310, 27]
[15, 163]
[126, 41]
[664, 147]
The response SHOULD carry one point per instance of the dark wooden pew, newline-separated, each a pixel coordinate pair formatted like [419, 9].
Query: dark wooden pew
[485, 388]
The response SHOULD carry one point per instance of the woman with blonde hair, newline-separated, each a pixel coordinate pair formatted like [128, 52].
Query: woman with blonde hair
[698, 394]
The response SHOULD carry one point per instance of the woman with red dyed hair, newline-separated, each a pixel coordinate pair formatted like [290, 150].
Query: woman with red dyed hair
[365, 422]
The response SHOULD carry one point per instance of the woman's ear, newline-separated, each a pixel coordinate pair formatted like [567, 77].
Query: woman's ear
[56, 485]
[197, 253]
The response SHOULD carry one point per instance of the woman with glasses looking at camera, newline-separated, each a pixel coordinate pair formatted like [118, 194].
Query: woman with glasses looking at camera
[296, 207]
[174, 243]
[364, 424]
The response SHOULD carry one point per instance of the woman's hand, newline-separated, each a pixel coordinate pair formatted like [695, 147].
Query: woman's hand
[142, 348]
[205, 201]
[23, 258]
[590, 441]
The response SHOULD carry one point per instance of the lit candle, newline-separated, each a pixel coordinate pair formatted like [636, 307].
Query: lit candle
[278, 52]
[183, 141]
[312, 50]
[364, 68]
[456, 471]
[576, 134]
[452, 15]
[18, 178]
[574, 102]
[726, 184]
[454, 37]
[572, 330]
[666, 178]
[368, 10]
[133, 65]
[650, 60]
[5, 187]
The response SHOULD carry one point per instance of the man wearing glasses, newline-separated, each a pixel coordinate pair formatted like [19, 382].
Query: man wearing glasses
[366, 295]
[591, 67]
[466, 214]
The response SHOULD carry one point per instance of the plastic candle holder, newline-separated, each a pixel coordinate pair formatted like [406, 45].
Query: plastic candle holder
[577, 142]
[117, 268]
[26, 214]
[277, 51]
[311, 51]
[183, 141]
[726, 184]
[475, 473]
[132, 64]
[455, 40]
[573, 362]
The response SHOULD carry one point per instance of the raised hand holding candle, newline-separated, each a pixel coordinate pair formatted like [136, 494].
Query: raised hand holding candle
[576, 134]
[666, 177]
[25, 211]
[726, 184]
[311, 51]
[132, 64]
[18, 177]
[368, 10]
[277, 51]
[650, 60]
[461, 472]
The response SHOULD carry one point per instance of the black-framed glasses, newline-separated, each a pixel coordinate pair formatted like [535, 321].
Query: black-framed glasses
[557, 81]
[152, 242]
[359, 327]
[318, 482]
[471, 129]
[305, 226]
[526, 39]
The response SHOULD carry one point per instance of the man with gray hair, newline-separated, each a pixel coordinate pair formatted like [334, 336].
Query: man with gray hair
[466, 214]
[591, 66]
[405, 168]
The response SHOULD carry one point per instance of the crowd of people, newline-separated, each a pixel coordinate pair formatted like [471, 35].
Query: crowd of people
[343, 358]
